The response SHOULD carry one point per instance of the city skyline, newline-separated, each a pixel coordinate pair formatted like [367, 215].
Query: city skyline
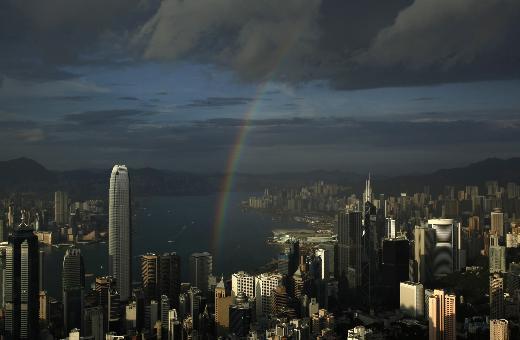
[259, 169]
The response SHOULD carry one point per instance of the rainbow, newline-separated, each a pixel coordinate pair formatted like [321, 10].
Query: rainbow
[231, 167]
[238, 146]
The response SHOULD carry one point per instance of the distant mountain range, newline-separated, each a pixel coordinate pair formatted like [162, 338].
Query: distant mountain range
[502, 170]
[26, 175]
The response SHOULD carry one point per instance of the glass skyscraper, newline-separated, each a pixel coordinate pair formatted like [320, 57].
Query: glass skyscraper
[119, 225]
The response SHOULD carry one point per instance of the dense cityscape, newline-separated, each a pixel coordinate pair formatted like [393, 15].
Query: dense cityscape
[366, 266]
[259, 169]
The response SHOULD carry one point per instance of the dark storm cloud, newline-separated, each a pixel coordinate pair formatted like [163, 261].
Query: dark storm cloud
[227, 122]
[216, 102]
[130, 98]
[70, 98]
[38, 37]
[354, 44]
[105, 117]
[423, 99]
[205, 145]
[220, 133]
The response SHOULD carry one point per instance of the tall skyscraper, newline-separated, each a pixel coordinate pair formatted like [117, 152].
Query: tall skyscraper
[350, 246]
[61, 208]
[165, 309]
[497, 259]
[41, 273]
[73, 285]
[150, 275]
[326, 254]
[197, 305]
[120, 231]
[174, 326]
[424, 247]
[201, 267]
[445, 247]
[21, 284]
[394, 267]
[496, 296]
[390, 228]
[497, 222]
[442, 316]
[93, 324]
[160, 275]
[108, 298]
[498, 329]
[170, 277]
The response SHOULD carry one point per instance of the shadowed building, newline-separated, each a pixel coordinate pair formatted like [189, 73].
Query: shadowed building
[73, 285]
[22, 284]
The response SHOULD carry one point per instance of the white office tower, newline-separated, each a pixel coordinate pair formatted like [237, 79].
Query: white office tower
[390, 228]
[411, 299]
[445, 246]
[498, 329]
[201, 269]
[242, 282]
[265, 284]
[119, 231]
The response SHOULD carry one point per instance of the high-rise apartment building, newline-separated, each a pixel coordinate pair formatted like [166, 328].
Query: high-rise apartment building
[201, 268]
[120, 231]
[21, 284]
[73, 285]
[265, 284]
[498, 329]
[442, 316]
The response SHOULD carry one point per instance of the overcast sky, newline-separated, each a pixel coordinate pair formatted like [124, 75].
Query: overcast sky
[384, 86]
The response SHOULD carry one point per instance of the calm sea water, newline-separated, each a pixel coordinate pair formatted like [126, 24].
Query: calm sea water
[183, 225]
